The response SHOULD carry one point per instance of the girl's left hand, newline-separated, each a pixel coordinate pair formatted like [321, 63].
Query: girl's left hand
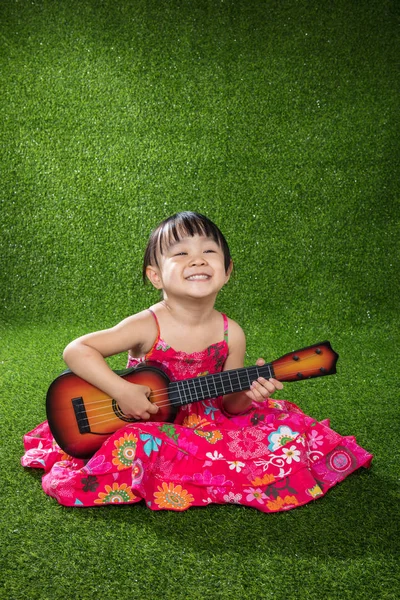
[263, 388]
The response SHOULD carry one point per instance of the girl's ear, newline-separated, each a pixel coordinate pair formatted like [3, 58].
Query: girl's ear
[229, 271]
[153, 275]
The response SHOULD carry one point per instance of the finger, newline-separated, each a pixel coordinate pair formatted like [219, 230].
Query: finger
[264, 387]
[144, 416]
[266, 383]
[260, 362]
[278, 385]
[147, 414]
[259, 391]
[249, 394]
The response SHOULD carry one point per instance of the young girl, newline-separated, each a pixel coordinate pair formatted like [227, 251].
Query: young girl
[242, 448]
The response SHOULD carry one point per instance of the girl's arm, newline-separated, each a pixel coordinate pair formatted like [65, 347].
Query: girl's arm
[85, 357]
[260, 389]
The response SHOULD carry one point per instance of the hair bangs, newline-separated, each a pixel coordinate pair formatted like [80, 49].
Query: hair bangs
[184, 225]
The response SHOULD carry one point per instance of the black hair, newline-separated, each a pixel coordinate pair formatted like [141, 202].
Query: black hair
[175, 228]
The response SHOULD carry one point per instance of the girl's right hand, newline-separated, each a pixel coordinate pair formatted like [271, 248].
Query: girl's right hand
[134, 402]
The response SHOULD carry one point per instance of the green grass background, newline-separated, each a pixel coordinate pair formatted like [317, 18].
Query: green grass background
[277, 119]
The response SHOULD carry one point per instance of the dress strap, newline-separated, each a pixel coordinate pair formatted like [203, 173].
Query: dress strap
[225, 327]
[156, 320]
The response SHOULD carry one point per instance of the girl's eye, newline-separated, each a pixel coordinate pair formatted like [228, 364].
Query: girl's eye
[180, 254]
[207, 251]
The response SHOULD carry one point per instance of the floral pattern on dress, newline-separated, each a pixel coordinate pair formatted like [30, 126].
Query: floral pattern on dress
[125, 451]
[272, 458]
[212, 436]
[137, 472]
[247, 443]
[173, 497]
[115, 494]
[281, 437]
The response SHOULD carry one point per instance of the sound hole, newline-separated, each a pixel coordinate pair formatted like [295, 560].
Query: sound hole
[120, 414]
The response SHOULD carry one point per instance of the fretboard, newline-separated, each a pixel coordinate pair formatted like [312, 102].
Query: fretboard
[218, 384]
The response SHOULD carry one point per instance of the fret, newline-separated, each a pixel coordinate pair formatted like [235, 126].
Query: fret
[203, 388]
[198, 389]
[253, 373]
[208, 389]
[186, 384]
[212, 386]
[265, 371]
[236, 386]
[182, 392]
[193, 390]
[174, 394]
[230, 381]
[244, 379]
[218, 384]
[247, 375]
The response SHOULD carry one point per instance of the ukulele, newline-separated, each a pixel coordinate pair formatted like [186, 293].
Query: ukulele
[81, 416]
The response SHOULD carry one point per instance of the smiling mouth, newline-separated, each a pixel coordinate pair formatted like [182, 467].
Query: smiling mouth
[198, 277]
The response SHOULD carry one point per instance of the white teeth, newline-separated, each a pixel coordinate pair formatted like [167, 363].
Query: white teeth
[194, 277]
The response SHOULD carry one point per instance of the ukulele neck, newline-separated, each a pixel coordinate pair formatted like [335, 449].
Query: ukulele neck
[205, 387]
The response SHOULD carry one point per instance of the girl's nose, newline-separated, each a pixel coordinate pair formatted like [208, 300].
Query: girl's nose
[198, 260]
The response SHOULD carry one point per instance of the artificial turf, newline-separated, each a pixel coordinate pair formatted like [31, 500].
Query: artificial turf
[279, 120]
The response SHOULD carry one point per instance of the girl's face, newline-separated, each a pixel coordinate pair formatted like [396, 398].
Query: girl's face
[192, 267]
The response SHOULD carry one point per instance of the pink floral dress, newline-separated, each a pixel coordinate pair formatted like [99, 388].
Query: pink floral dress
[273, 458]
